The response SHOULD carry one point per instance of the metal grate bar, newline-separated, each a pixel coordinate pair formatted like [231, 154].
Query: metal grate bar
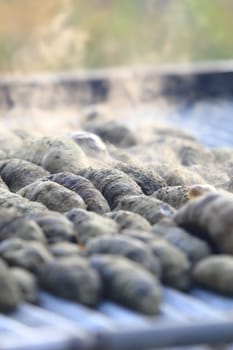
[122, 316]
[223, 303]
[45, 339]
[33, 316]
[191, 307]
[166, 335]
[88, 319]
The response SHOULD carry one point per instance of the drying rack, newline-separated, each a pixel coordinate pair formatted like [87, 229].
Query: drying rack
[203, 96]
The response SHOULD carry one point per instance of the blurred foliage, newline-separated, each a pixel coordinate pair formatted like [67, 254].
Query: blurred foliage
[66, 34]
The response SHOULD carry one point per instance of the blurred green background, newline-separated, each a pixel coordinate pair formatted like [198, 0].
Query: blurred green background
[68, 34]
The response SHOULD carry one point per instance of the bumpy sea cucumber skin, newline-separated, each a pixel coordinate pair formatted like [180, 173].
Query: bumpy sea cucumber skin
[215, 273]
[18, 173]
[193, 247]
[52, 195]
[93, 198]
[125, 246]
[176, 196]
[150, 208]
[53, 154]
[211, 217]
[127, 283]
[89, 225]
[56, 227]
[16, 225]
[27, 255]
[128, 220]
[71, 278]
[112, 183]
[148, 180]
[176, 268]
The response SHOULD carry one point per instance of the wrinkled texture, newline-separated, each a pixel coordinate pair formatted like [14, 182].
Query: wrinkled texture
[18, 203]
[53, 154]
[128, 283]
[216, 273]
[194, 248]
[174, 264]
[211, 218]
[130, 248]
[52, 195]
[148, 180]
[15, 225]
[150, 208]
[112, 183]
[176, 196]
[93, 199]
[138, 201]
[71, 279]
[89, 225]
[127, 220]
[28, 255]
[18, 173]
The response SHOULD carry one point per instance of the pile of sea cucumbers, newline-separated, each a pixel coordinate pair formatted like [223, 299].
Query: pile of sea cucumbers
[104, 214]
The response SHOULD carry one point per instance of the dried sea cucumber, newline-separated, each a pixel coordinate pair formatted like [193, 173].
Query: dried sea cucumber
[176, 269]
[127, 283]
[52, 195]
[113, 132]
[176, 196]
[150, 208]
[64, 249]
[193, 247]
[18, 203]
[128, 220]
[125, 246]
[28, 255]
[89, 225]
[148, 180]
[112, 183]
[215, 273]
[53, 154]
[210, 217]
[16, 225]
[56, 227]
[93, 198]
[71, 278]
[17, 173]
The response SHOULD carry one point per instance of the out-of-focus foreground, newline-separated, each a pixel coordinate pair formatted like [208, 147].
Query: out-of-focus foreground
[67, 34]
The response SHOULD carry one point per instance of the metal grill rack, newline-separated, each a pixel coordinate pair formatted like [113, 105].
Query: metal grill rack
[196, 318]
[185, 320]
